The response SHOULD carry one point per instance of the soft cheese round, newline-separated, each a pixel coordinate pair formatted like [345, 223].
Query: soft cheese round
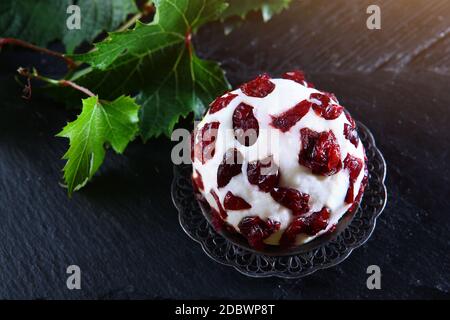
[308, 143]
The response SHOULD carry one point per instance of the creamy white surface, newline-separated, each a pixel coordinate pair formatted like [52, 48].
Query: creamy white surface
[327, 191]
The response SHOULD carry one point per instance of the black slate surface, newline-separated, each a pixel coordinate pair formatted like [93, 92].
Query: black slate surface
[122, 230]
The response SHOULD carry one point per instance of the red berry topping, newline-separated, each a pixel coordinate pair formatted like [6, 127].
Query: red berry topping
[221, 102]
[245, 125]
[310, 85]
[216, 220]
[230, 166]
[354, 165]
[232, 202]
[263, 173]
[222, 212]
[256, 230]
[361, 191]
[320, 152]
[291, 199]
[351, 134]
[350, 119]
[205, 148]
[310, 225]
[197, 181]
[296, 75]
[289, 118]
[323, 107]
[259, 87]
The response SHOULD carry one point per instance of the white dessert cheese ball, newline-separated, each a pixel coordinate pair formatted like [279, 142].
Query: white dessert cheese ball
[278, 161]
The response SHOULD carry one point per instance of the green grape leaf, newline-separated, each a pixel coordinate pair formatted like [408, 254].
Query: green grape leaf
[100, 123]
[158, 62]
[97, 16]
[41, 22]
[241, 8]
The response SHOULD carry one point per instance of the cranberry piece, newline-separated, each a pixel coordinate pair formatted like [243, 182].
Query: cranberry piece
[245, 125]
[232, 202]
[256, 230]
[317, 221]
[230, 166]
[197, 181]
[362, 187]
[216, 220]
[222, 212]
[285, 121]
[291, 199]
[310, 225]
[354, 165]
[221, 102]
[205, 148]
[350, 119]
[351, 134]
[320, 152]
[295, 75]
[323, 107]
[263, 173]
[259, 87]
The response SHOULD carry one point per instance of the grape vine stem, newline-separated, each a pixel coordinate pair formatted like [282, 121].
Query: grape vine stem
[16, 42]
[59, 83]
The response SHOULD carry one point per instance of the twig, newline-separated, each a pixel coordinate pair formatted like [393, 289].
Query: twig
[60, 83]
[12, 41]
[147, 9]
[130, 22]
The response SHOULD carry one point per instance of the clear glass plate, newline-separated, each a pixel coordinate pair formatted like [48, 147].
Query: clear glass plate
[328, 250]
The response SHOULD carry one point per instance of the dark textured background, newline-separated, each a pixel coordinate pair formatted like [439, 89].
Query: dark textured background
[122, 229]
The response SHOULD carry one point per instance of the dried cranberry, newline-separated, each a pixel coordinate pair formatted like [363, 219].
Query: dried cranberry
[259, 87]
[295, 75]
[216, 220]
[291, 199]
[351, 134]
[350, 119]
[323, 107]
[222, 212]
[289, 118]
[205, 148]
[230, 166]
[320, 152]
[221, 102]
[354, 165]
[310, 225]
[232, 202]
[197, 181]
[263, 173]
[245, 125]
[256, 230]
[362, 187]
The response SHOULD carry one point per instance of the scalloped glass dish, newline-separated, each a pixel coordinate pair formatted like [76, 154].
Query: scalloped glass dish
[352, 231]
